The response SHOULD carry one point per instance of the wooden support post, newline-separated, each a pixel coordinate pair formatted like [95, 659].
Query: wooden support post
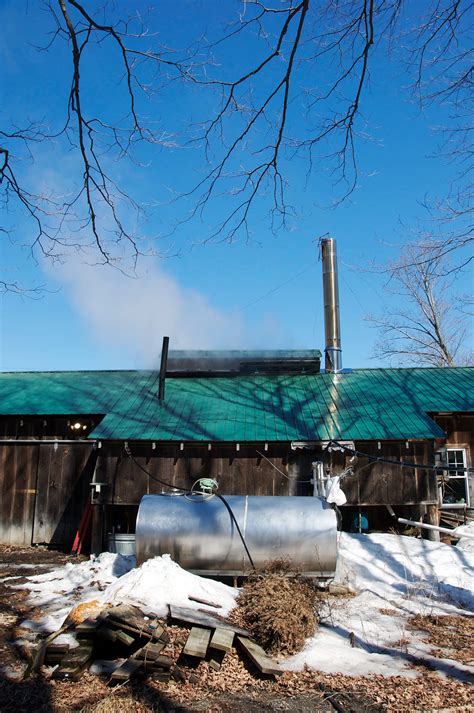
[97, 539]
[294, 474]
[432, 518]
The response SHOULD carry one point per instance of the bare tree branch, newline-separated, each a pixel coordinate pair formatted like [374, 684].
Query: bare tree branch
[430, 327]
[299, 93]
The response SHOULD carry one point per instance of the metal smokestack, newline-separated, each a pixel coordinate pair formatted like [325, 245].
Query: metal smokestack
[332, 327]
[163, 366]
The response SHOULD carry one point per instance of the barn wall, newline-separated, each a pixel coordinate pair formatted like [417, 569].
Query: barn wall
[43, 491]
[18, 470]
[246, 472]
[460, 434]
[241, 472]
[386, 484]
[44, 488]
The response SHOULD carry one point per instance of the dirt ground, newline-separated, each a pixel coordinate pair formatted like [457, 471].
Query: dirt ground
[236, 687]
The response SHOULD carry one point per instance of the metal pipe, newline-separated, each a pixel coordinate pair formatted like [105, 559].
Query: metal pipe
[332, 327]
[163, 365]
[446, 530]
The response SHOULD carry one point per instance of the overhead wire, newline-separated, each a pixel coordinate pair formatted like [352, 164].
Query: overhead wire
[278, 469]
[389, 461]
[187, 491]
[275, 289]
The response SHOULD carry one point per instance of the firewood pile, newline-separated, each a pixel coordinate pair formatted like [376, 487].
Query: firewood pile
[121, 642]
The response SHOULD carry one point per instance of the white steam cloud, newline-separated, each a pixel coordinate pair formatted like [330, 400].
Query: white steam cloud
[135, 314]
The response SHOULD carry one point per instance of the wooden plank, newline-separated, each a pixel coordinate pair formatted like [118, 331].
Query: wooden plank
[163, 661]
[177, 674]
[75, 662]
[142, 633]
[25, 492]
[124, 638]
[55, 653]
[204, 601]
[71, 673]
[88, 627]
[258, 657]
[222, 639]
[150, 652]
[197, 642]
[131, 618]
[57, 649]
[76, 658]
[127, 669]
[215, 658]
[191, 616]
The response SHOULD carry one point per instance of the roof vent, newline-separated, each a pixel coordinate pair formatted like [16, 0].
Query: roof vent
[219, 363]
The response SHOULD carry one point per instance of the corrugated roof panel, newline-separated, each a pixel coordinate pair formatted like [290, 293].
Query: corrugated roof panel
[367, 404]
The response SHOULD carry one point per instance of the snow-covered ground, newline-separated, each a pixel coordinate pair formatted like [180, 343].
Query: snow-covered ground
[393, 578]
[112, 578]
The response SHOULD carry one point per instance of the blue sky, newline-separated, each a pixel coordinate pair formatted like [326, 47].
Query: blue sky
[264, 292]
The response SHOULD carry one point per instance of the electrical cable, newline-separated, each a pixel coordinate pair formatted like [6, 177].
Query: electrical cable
[188, 492]
[278, 469]
[153, 477]
[401, 463]
[274, 289]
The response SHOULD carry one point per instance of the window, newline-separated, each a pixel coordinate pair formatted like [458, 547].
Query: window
[455, 484]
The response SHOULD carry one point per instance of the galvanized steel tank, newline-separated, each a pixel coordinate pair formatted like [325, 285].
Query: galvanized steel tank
[200, 535]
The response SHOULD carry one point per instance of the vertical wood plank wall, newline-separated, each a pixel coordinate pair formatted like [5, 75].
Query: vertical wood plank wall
[18, 469]
[64, 475]
[43, 490]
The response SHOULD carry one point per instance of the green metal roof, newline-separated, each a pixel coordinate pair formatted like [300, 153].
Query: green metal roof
[366, 404]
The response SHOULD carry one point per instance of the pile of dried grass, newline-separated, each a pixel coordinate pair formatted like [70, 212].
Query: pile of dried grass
[279, 607]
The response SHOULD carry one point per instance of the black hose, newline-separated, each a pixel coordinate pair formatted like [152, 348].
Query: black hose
[229, 509]
[153, 477]
[190, 492]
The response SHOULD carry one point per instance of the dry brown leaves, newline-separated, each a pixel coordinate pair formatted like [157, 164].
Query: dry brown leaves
[451, 635]
[428, 692]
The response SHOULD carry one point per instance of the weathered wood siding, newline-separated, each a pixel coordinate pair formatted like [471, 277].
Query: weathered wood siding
[44, 488]
[246, 472]
[18, 470]
[388, 484]
[241, 472]
[64, 474]
[43, 491]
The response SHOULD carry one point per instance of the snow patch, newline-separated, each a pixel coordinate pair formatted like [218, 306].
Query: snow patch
[160, 581]
[466, 544]
[393, 577]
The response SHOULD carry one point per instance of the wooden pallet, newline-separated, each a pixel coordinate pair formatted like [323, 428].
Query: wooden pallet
[128, 644]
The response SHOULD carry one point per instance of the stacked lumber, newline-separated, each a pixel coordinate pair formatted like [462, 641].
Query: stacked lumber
[122, 642]
[211, 638]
